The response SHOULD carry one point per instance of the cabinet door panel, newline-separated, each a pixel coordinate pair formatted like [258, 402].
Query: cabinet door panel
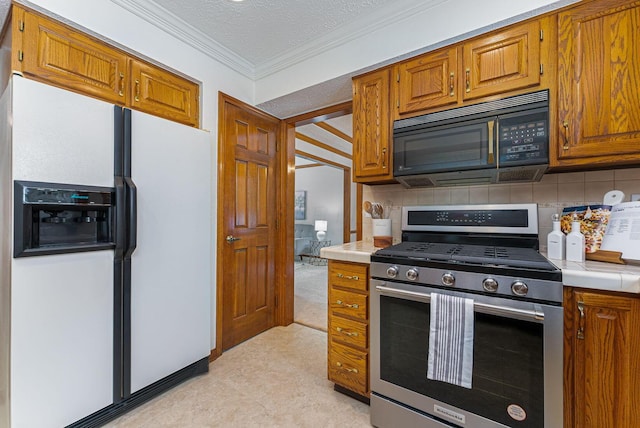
[599, 81]
[371, 128]
[58, 55]
[428, 81]
[350, 368]
[606, 349]
[502, 62]
[163, 94]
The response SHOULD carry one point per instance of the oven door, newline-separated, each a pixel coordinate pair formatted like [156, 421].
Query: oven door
[517, 362]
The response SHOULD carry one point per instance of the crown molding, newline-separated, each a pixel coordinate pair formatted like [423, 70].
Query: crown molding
[185, 32]
[355, 29]
[175, 26]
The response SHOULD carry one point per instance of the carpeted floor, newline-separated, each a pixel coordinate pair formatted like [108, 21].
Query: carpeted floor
[310, 302]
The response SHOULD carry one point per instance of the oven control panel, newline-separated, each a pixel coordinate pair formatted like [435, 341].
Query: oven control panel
[474, 282]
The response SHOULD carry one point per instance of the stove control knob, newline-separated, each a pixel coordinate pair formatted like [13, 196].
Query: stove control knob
[412, 274]
[392, 271]
[448, 279]
[519, 288]
[490, 285]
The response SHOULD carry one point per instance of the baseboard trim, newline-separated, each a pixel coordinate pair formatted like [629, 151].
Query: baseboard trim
[116, 410]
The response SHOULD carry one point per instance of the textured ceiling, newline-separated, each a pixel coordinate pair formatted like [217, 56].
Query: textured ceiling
[261, 30]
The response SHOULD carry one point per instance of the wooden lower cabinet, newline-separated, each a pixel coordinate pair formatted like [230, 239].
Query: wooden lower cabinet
[602, 359]
[348, 339]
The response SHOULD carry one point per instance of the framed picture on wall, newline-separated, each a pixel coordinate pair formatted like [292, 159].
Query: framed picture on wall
[300, 206]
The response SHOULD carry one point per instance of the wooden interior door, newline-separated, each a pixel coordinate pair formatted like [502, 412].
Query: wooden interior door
[247, 228]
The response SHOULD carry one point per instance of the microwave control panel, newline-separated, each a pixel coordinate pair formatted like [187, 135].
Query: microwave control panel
[524, 139]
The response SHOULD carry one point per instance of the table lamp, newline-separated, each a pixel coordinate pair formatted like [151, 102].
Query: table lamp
[321, 229]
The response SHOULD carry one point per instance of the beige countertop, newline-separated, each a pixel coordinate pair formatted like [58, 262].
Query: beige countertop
[596, 275]
[357, 252]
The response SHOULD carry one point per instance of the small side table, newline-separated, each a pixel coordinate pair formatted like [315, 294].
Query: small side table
[314, 251]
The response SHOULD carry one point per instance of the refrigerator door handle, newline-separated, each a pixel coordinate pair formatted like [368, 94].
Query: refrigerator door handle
[120, 218]
[132, 216]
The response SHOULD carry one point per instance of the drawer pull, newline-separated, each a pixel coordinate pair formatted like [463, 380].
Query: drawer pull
[349, 369]
[354, 277]
[347, 333]
[352, 306]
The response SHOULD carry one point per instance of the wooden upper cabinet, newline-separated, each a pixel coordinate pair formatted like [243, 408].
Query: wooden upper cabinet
[427, 81]
[164, 94]
[502, 61]
[599, 84]
[56, 54]
[603, 341]
[372, 128]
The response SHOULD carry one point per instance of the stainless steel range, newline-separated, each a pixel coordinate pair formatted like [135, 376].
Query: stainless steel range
[486, 257]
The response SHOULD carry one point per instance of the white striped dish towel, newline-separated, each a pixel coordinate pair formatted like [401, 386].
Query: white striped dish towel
[451, 340]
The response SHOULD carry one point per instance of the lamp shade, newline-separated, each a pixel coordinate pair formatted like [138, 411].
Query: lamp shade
[321, 229]
[321, 225]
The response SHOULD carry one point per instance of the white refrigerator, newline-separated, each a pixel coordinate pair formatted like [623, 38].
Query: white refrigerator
[86, 335]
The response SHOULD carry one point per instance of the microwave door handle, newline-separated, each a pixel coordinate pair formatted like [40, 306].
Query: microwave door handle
[491, 158]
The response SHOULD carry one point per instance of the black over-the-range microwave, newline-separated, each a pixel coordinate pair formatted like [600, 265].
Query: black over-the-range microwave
[499, 141]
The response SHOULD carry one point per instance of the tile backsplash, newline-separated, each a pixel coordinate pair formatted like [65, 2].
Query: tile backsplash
[552, 194]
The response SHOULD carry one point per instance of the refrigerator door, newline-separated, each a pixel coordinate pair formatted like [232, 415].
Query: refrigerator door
[171, 268]
[61, 305]
[60, 136]
[61, 334]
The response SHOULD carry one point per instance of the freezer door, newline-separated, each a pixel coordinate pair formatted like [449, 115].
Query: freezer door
[60, 136]
[171, 268]
[61, 338]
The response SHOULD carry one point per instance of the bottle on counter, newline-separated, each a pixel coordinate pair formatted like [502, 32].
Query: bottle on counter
[556, 240]
[575, 242]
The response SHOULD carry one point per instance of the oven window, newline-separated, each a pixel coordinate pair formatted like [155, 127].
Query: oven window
[507, 362]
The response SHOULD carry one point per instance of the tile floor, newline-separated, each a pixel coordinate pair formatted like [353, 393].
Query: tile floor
[276, 379]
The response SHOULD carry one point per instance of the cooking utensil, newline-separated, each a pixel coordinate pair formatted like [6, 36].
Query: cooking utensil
[376, 210]
[366, 205]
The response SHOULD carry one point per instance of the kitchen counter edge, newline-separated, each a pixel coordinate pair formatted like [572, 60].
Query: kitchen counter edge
[589, 274]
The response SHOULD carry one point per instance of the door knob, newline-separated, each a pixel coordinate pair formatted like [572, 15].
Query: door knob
[231, 238]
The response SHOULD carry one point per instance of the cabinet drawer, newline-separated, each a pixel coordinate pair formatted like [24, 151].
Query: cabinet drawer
[349, 368]
[350, 304]
[351, 332]
[348, 275]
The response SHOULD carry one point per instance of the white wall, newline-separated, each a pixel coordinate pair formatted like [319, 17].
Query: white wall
[324, 186]
[111, 21]
[446, 21]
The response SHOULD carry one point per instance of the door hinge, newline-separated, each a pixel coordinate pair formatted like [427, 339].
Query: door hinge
[541, 35]
[277, 224]
[276, 300]
[20, 55]
[398, 77]
[277, 146]
[21, 25]
[541, 68]
[398, 103]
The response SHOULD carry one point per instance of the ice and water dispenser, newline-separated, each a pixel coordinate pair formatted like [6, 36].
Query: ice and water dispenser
[61, 218]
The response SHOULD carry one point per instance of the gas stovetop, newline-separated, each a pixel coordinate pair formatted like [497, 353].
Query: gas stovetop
[484, 255]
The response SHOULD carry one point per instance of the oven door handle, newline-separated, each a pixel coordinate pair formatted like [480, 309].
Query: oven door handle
[484, 308]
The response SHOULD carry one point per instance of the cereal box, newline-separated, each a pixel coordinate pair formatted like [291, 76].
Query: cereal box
[593, 223]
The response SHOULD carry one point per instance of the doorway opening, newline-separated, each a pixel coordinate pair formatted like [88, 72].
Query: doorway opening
[325, 201]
